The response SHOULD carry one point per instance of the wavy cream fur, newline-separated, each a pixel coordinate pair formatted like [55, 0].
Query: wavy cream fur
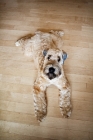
[33, 47]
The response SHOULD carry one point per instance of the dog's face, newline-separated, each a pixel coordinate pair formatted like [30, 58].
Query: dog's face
[53, 62]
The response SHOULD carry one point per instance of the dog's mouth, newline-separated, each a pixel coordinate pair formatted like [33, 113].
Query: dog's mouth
[52, 71]
[51, 76]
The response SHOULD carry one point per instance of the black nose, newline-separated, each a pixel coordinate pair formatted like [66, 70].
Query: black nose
[51, 70]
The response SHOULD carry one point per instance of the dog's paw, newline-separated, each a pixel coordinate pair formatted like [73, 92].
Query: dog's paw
[66, 111]
[17, 44]
[60, 33]
[40, 116]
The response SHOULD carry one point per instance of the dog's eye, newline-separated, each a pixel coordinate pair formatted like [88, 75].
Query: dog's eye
[48, 57]
[58, 59]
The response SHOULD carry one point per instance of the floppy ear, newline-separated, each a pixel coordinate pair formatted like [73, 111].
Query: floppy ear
[45, 52]
[64, 56]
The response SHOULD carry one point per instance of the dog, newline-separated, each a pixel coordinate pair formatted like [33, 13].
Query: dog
[46, 51]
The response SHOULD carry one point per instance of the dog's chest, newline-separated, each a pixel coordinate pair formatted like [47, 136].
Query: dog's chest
[55, 82]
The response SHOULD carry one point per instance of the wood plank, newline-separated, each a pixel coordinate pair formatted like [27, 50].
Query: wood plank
[53, 111]
[43, 132]
[17, 72]
[11, 49]
[64, 19]
[78, 70]
[17, 64]
[90, 87]
[82, 104]
[16, 87]
[73, 43]
[82, 96]
[17, 107]
[91, 136]
[76, 114]
[27, 72]
[70, 124]
[13, 136]
[16, 97]
[91, 45]
[29, 130]
[63, 124]
[80, 78]
[29, 118]
[71, 135]
[77, 105]
[73, 78]
[7, 43]
[73, 53]
[18, 117]
[78, 63]
[51, 94]
[14, 56]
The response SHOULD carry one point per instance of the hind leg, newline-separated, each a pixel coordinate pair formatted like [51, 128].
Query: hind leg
[57, 38]
[57, 33]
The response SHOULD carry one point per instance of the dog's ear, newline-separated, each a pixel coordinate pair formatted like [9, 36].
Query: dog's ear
[64, 56]
[45, 52]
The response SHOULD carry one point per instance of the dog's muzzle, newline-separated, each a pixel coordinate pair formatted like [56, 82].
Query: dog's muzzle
[52, 71]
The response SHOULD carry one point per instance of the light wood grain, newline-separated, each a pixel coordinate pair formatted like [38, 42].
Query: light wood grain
[18, 73]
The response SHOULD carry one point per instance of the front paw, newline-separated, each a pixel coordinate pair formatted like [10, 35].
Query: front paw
[66, 111]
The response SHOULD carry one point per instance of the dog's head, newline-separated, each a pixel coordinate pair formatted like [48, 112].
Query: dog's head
[54, 59]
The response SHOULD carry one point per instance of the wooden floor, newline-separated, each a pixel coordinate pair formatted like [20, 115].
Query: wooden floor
[18, 73]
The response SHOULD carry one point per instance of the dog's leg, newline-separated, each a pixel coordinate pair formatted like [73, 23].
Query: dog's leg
[26, 44]
[23, 40]
[39, 96]
[57, 33]
[64, 102]
[57, 38]
[65, 97]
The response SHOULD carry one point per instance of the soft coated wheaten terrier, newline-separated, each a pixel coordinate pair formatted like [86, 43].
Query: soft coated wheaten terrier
[46, 50]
